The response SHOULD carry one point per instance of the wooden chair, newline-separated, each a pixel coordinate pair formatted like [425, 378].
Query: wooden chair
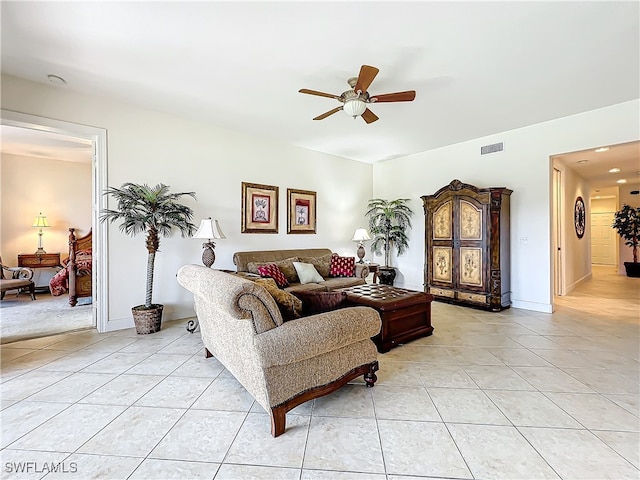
[17, 278]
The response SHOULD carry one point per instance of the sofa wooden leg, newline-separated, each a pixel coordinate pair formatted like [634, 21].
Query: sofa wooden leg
[278, 420]
[32, 291]
[207, 353]
[370, 377]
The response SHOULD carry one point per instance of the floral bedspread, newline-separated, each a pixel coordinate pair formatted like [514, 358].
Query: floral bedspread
[59, 284]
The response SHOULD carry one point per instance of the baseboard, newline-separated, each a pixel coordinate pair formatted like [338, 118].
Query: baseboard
[168, 314]
[534, 306]
[119, 324]
[571, 287]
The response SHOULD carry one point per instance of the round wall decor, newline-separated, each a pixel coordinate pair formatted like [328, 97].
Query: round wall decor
[579, 216]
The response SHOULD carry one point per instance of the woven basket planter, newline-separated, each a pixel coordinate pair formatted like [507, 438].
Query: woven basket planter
[147, 320]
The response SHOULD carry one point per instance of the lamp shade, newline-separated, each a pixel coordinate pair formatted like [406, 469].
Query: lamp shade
[41, 221]
[209, 229]
[361, 235]
[354, 107]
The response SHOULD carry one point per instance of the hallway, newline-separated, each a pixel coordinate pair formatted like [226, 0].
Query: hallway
[609, 296]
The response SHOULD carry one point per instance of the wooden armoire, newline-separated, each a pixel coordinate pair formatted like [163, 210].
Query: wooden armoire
[467, 245]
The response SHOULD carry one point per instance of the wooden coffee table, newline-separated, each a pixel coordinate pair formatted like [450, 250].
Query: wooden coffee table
[406, 314]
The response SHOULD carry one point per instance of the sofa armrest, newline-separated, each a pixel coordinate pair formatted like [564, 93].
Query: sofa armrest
[311, 336]
[362, 270]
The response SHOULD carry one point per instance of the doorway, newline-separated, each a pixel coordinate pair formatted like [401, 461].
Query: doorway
[606, 175]
[98, 139]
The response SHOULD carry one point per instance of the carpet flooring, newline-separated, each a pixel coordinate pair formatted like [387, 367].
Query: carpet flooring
[23, 318]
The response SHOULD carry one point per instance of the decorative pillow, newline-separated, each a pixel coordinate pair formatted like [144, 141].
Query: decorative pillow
[307, 273]
[286, 266]
[273, 271]
[342, 266]
[318, 302]
[289, 305]
[322, 264]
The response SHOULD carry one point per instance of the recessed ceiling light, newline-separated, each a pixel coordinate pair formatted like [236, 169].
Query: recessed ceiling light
[583, 161]
[622, 180]
[56, 80]
[602, 149]
[614, 170]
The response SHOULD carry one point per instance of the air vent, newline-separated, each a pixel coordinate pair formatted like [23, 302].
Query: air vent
[496, 147]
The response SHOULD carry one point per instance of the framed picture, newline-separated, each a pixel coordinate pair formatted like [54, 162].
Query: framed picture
[259, 208]
[301, 211]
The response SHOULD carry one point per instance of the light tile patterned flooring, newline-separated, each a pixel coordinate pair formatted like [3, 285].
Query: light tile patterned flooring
[511, 395]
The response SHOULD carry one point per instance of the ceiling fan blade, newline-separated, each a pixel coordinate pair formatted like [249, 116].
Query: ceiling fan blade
[330, 112]
[320, 94]
[369, 117]
[366, 76]
[395, 97]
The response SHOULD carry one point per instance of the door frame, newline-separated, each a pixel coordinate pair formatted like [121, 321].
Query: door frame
[557, 229]
[98, 138]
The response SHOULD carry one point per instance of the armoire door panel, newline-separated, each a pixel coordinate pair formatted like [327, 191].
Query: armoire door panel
[470, 226]
[442, 222]
[442, 264]
[471, 267]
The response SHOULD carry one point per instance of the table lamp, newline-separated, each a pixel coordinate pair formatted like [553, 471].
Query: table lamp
[360, 236]
[209, 229]
[40, 222]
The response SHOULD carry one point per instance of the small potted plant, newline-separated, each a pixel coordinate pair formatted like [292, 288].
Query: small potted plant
[388, 223]
[154, 211]
[626, 222]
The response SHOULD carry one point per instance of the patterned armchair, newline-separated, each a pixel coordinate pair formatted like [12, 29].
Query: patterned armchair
[281, 364]
[15, 279]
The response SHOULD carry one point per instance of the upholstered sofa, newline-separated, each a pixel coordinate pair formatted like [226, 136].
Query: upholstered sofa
[281, 364]
[246, 263]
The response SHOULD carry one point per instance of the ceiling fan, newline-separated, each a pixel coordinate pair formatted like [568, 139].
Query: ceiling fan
[355, 101]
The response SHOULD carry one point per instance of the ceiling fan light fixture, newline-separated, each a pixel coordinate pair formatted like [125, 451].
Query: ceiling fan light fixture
[354, 107]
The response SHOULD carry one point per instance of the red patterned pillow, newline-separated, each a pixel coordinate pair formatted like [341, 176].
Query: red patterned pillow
[342, 266]
[273, 271]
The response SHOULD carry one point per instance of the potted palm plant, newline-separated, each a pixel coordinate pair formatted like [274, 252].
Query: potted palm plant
[626, 222]
[388, 223]
[154, 211]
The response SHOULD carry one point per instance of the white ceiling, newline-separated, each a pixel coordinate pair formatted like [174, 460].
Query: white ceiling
[594, 166]
[47, 145]
[479, 68]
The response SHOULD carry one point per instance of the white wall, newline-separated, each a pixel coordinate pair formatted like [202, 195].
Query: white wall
[60, 190]
[625, 197]
[151, 147]
[603, 205]
[525, 167]
[147, 146]
[577, 251]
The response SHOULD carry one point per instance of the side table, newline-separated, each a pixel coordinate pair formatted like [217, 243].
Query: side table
[34, 260]
[44, 265]
[373, 268]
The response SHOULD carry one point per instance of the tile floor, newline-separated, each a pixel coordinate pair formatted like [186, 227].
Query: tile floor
[511, 395]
